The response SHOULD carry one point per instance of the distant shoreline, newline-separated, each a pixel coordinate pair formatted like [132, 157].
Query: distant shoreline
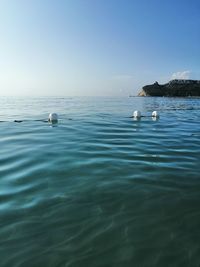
[174, 88]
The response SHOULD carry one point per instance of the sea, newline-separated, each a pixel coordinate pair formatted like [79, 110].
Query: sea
[99, 188]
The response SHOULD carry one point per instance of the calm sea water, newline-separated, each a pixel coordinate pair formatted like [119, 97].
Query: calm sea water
[99, 189]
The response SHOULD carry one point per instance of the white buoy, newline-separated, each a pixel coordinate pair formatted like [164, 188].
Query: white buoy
[137, 114]
[53, 118]
[155, 114]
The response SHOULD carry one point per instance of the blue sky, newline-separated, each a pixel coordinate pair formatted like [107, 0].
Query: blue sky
[96, 47]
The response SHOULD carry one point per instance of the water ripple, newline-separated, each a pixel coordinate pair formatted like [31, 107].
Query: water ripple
[100, 189]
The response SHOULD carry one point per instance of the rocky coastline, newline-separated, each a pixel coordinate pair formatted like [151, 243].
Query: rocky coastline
[174, 88]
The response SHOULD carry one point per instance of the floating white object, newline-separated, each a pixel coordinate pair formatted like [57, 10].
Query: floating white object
[155, 114]
[53, 118]
[137, 114]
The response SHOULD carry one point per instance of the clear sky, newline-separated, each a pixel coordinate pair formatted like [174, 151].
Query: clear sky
[96, 47]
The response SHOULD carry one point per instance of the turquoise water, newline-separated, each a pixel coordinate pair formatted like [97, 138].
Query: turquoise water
[99, 188]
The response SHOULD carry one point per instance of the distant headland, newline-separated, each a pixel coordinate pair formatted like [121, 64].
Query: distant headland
[174, 88]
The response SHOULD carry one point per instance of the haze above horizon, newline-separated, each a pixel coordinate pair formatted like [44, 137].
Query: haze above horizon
[102, 47]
